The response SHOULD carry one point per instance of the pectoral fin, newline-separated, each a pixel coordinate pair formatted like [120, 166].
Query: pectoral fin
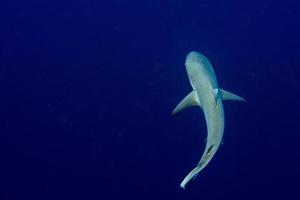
[230, 96]
[190, 100]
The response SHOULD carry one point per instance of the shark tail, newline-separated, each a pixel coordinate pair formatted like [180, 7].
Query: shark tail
[192, 175]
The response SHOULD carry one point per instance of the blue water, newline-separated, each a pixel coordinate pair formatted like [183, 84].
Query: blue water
[87, 88]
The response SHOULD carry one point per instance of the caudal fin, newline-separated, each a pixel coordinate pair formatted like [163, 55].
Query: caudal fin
[190, 176]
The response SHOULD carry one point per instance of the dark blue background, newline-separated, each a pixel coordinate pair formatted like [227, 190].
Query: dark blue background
[87, 88]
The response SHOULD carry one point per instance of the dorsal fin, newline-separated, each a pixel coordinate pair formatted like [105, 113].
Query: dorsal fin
[218, 95]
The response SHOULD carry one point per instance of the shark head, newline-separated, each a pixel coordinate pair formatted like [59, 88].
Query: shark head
[193, 63]
[198, 66]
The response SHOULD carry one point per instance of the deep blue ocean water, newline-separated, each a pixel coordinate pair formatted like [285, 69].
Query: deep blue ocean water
[87, 89]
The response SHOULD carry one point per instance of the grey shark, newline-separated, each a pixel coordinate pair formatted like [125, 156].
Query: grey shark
[207, 95]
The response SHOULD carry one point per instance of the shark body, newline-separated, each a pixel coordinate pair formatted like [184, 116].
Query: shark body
[207, 95]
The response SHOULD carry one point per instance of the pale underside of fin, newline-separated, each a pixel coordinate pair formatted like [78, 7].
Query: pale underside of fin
[190, 100]
[230, 96]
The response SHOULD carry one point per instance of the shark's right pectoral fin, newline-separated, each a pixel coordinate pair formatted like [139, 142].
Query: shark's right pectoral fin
[190, 100]
[230, 96]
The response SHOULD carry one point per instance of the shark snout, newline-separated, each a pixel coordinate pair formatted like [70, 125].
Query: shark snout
[192, 58]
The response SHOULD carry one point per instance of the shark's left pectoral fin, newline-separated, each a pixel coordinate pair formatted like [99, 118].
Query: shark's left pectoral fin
[190, 100]
[230, 96]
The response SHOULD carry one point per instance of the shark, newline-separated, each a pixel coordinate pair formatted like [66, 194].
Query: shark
[207, 95]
